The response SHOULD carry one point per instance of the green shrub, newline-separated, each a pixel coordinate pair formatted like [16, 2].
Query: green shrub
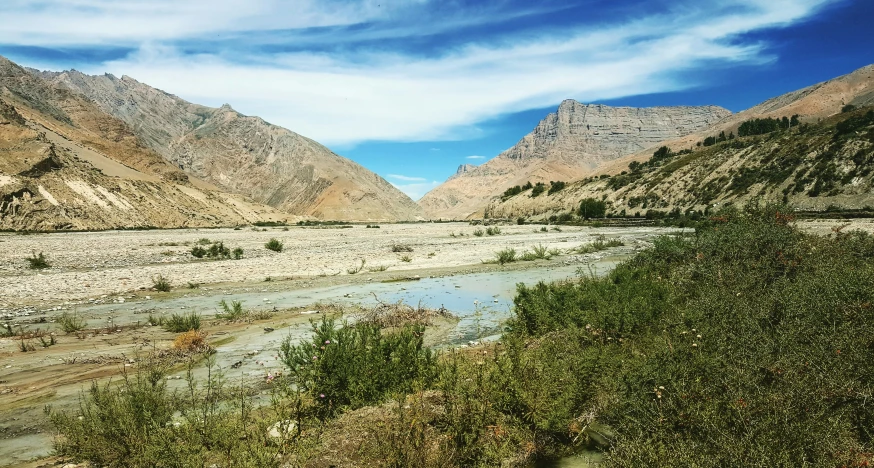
[140, 423]
[507, 255]
[478, 232]
[493, 230]
[274, 245]
[238, 253]
[231, 312]
[556, 186]
[198, 251]
[71, 323]
[178, 323]
[357, 365]
[38, 262]
[160, 283]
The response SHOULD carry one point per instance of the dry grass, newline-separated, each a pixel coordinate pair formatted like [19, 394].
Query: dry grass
[193, 341]
[399, 314]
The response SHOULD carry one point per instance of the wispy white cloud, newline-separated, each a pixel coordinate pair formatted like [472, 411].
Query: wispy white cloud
[416, 190]
[132, 22]
[406, 178]
[381, 94]
[475, 157]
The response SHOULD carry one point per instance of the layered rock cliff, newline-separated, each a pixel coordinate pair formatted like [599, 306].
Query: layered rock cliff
[566, 145]
[245, 154]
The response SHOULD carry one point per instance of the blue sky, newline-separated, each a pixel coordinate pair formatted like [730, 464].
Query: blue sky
[411, 89]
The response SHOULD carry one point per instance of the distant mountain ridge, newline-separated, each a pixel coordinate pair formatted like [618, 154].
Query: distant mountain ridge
[244, 154]
[566, 145]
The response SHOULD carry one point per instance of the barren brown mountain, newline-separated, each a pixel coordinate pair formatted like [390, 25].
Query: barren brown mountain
[64, 164]
[244, 154]
[566, 145]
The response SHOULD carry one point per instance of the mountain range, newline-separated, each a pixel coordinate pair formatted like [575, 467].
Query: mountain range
[80, 151]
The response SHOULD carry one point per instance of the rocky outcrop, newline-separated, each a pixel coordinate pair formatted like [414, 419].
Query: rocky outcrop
[566, 145]
[245, 154]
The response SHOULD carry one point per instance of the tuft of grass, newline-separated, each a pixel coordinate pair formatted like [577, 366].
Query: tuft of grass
[238, 253]
[493, 230]
[261, 315]
[274, 245]
[204, 241]
[38, 262]
[160, 283]
[155, 320]
[544, 229]
[406, 258]
[178, 323]
[478, 232]
[600, 243]
[538, 252]
[71, 323]
[377, 268]
[357, 269]
[232, 312]
[401, 248]
[507, 255]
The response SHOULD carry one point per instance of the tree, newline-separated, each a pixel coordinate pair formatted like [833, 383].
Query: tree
[592, 208]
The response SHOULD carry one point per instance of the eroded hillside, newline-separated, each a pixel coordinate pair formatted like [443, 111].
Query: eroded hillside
[811, 166]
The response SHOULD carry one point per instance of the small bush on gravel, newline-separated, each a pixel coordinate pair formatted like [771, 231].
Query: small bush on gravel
[192, 341]
[38, 262]
[401, 248]
[238, 253]
[159, 283]
[493, 230]
[274, 244]
[478, 232]
[507, 255]
[406, 259]
[71, 323]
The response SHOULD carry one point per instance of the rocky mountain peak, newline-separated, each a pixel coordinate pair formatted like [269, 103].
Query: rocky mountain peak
[465, 168]
[567, 144]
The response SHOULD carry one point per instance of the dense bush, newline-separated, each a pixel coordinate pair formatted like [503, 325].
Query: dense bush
[133, 425]
[592, 208]
[556, 186]
[746, 344]
[38, 262]
[178, 323]
[357, 365]
[274, 245]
